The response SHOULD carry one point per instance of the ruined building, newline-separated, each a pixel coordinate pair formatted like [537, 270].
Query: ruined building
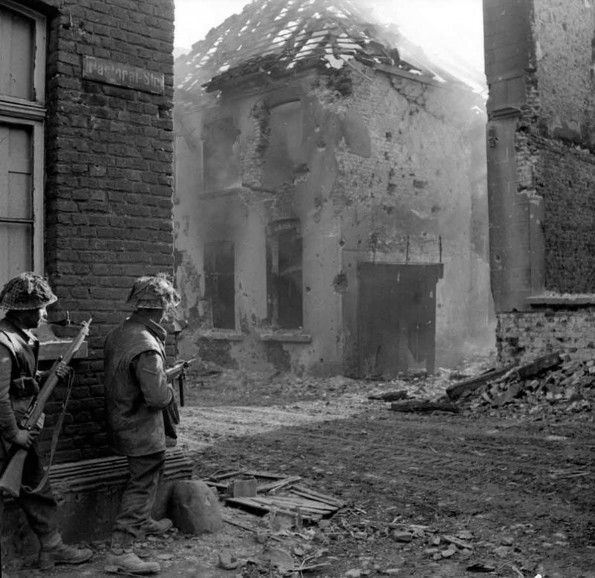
[330, 210]
[541, 174]
[86, 173]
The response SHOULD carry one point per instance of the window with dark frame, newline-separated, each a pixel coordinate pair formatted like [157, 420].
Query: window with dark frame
[284, 276]
[22, 114]
[219, 267]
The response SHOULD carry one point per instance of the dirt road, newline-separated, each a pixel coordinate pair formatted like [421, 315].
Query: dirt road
[427, 495]
[520, 493]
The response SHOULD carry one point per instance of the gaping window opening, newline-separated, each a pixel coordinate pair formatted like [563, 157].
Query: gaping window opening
[22, 114]
[284, 275]
[219, 268]
[221, 155]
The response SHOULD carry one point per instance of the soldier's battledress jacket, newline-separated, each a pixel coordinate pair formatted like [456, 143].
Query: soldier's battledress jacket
[136, 389]
[18, 372]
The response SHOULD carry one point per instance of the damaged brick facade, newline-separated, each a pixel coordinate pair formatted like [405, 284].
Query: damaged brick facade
[539, 65]
[107, 160]
[341, 169]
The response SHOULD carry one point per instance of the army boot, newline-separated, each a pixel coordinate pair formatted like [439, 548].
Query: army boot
[125, 560]
[55, 551]
[121, 556]
[156, 527]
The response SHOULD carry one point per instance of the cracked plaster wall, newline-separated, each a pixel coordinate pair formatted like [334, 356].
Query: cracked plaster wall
[384, 160]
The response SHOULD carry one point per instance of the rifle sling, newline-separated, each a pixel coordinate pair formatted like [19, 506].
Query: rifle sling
[55, 437]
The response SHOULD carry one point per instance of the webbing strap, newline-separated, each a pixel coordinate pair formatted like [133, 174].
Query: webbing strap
[55, 436]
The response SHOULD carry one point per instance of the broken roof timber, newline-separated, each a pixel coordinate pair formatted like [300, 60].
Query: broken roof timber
[281, 37]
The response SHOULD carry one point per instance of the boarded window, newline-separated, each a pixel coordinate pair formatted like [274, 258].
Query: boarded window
[219, 266]
[284, 276]
[22, 72]
[221, 155]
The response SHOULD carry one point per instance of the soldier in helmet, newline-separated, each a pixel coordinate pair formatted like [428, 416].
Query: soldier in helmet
[136, 393]
[25, 299]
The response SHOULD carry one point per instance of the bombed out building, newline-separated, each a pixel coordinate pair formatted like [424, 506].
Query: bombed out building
[541, 174]
[330, 209]
[86, 173]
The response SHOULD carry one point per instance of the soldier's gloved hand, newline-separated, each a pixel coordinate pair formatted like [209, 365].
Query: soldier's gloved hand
[26, 438]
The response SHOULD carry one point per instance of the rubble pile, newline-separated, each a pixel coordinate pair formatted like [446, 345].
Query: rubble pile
[566, 388]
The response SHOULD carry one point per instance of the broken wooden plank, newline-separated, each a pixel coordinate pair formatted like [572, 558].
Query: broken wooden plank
[219, 486]
[265, 507]
[277, 485]
[302, 503]
[540, 364]
[219, 477]
[424, 405]
[314, 495]
[455, 391]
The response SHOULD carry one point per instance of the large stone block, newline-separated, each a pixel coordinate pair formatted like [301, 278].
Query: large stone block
[194, 508]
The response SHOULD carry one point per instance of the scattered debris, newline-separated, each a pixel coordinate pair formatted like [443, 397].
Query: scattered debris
[551, 384]
[540, 364]
[424, 405]
[297, 503]
[390, 395]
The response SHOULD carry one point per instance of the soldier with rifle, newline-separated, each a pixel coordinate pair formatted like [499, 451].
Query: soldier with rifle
[137, 396]
[25, 299]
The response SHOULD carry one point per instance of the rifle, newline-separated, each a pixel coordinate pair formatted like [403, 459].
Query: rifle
[13, 474]
[177, 372]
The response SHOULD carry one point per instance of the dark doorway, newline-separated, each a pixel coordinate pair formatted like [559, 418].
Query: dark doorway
[396, 317]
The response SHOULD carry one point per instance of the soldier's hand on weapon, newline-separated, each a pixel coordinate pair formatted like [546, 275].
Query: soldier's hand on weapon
[62, 370]
[26, 438]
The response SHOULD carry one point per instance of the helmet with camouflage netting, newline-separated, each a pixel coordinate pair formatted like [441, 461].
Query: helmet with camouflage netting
[26, 291]
[154, 292]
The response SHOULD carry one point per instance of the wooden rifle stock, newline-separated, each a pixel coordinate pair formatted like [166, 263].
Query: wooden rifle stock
[12, 476]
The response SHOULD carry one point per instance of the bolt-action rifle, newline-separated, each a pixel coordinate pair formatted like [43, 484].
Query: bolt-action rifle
[12, 477]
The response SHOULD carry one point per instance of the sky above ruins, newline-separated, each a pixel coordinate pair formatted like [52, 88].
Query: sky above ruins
[438, 26]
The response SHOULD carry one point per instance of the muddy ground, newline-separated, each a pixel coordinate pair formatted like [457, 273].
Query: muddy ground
[490, 493]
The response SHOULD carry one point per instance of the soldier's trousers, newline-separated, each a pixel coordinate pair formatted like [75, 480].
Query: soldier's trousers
[138, 497]
[40, 507]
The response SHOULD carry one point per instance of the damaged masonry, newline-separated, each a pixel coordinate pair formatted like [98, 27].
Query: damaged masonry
[329, 218]
[327, 229]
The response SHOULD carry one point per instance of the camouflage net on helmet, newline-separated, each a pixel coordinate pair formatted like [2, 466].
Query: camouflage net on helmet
[153, 292]
[26, 291]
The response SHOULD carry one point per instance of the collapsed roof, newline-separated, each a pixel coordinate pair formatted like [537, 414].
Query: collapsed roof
[273, 38]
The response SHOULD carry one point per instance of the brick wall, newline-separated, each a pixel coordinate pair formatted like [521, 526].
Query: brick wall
[541, 172]
[566, 183]
[524, 336]
[109, 178]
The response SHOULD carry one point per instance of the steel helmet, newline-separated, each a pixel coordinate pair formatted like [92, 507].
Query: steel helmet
[26, 291]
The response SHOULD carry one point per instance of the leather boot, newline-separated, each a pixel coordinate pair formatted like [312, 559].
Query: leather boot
[127, 561]
[156, 527]
[55, 551]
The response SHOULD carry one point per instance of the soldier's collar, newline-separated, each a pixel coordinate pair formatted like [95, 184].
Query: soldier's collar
[151, 325]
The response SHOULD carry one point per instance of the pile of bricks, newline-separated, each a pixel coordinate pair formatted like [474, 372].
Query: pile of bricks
[568, 388]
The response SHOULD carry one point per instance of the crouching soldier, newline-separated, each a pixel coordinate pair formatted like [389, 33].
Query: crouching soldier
[136, 393]
[25, 299]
